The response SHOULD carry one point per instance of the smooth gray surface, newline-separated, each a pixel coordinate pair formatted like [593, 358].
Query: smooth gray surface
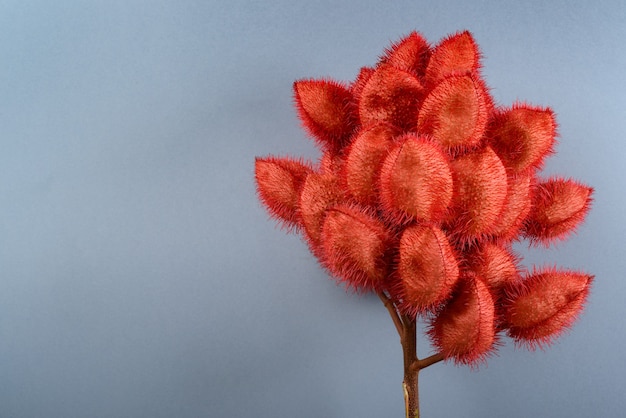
[140, 277]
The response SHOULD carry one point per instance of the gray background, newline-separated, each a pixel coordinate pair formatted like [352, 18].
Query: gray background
[140, 277]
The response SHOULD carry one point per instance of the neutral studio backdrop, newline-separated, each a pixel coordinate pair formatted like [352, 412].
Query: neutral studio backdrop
[140, 277]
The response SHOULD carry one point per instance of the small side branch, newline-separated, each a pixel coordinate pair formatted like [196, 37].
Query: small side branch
[429, 361]
[392, 312]
[407, 329]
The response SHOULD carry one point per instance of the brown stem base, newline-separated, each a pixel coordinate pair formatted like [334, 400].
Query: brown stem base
[411, 411]
[407, 329]
[411, 372]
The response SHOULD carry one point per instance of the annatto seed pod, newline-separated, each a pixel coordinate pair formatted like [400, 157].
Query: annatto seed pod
[464, 329]
[359, 83]
[415, 180]
[364, 160]
[544, 305]
[410, 54]
[354, 244]
[427, 268]
[480, 193]
[326, 110]
[456, 54]
[279, 181]
[523, 136]
[319, 192]
[390, 95]
[516, 208]
[494, 263]
[559, 206]
[456, 112]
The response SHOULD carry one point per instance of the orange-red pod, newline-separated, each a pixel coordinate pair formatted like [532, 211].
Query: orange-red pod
[390, 95]
[480, 193]
[456, 112]
[319, 192]
[523, 136]
[278, 182]
[410, 54]
[497, 265]
[415, 181]
[364, 159]
[465, 329]
[516, 208]
[354, 245]
[326, 109]
[559, 206]
[456, 54]
[544, 305]
[330, 163]
[427, 268]
[359, 83]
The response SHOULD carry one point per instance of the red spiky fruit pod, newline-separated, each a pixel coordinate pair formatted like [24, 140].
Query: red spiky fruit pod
[390, 95]
[363, 161]
[326, 109]
[279, 181]
[359, 83]
[516, 207]
[415, 181]
[330, 163]
[523, 136]
[559, 206]
[456, 54]
[319, 192]
[465, 329]
[496, 264]
[354, 244]
[410, 54]
[544, 305]
[480, 194]
[456, 112]
[427, 269]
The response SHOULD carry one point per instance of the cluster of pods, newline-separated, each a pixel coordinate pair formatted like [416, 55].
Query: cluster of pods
[423, 185]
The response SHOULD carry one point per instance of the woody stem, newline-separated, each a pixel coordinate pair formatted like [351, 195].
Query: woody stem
[407, 329]
[408, 339]
[392, 312]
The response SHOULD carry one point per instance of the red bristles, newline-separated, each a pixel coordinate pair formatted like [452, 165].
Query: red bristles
[465, 329]
[354, 244]
[558, 207]
[480, 194]
[544, 305]
[390, 95]
[319, 192]
[496, 264]
[361, 80]
[326, 110]
[415, 181]
[523, 136]
[455, 112]
[427, 269]
[279, 181]
[364, 159]
[456, 54]
[516, 208]
[410, 54]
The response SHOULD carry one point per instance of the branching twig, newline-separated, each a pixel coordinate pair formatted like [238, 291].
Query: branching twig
[429, 361]
[392, 312]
